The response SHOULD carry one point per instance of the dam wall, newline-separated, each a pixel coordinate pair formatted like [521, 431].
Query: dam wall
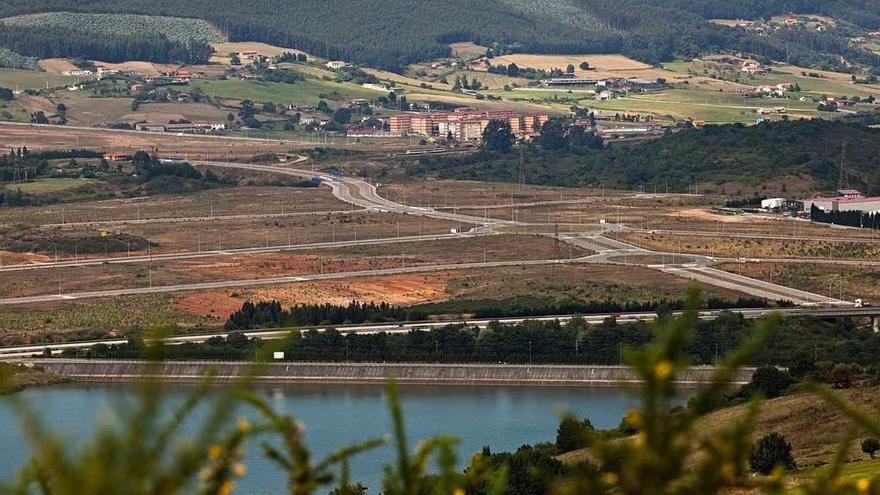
[365, 373]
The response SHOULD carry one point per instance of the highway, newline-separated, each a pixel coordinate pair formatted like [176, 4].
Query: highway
[24, 351]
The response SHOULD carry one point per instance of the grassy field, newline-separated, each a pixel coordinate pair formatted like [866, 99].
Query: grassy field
[93, 319]
[31, 79]
[307, 92]
[732, 247]
[844, 282]
[50, 185]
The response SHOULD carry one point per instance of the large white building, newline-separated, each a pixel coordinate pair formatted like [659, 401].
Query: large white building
[846, 200]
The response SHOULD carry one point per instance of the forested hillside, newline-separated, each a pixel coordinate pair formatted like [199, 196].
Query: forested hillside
[392, 33]
[714, 154]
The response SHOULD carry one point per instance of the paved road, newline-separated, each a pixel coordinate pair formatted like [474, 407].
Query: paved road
[361, 193]
[29, 350]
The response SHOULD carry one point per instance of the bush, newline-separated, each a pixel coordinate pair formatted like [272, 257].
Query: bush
[571, 434]
[772, 450]
[870, 446]
[769, 381]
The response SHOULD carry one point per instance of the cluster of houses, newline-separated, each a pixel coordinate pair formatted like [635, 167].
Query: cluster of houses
[194, 127]
[337, 65]
[463, 124]
[771, 91]
[753, 67]
[830, 104]
[99, 71]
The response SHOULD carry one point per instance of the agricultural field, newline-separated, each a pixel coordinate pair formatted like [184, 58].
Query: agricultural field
[488, 80]
[174, 28]
[308, 92]
[603, 65]
[191, 147]
[224, 48]
[49, 185]
[466, 50]
[32, 79]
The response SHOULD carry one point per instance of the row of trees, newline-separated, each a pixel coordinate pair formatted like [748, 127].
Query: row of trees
[851, 218]
[832, 351]
[269, 314]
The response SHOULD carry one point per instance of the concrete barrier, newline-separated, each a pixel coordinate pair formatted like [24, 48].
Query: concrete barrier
[362, 373]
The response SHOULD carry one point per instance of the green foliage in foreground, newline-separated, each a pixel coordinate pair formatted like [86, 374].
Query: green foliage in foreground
[142, 453]
[713, 154]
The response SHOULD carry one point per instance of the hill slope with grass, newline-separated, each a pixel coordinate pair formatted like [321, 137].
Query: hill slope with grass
[390, 34]
[809, 150]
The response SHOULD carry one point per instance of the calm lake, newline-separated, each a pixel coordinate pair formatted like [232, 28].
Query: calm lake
[502, 417]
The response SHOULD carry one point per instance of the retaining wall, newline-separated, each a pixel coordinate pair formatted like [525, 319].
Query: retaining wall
[429, 374]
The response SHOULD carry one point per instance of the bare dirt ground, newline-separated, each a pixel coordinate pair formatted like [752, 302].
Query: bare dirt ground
[94, 111]
[232, 267]
[222, 50]
[141, 67]
[604, 65]
[36, 103]
[464, 194]
[101, 318]
[217, 202]
[189, 146]
[709, 216]
[56, 65]
[467, 49]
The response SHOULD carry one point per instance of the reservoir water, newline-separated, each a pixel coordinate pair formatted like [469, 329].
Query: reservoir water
[502, 417]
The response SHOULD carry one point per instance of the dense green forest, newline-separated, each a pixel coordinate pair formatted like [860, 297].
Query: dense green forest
[713, 155]
[392, 33]
[49, 42]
